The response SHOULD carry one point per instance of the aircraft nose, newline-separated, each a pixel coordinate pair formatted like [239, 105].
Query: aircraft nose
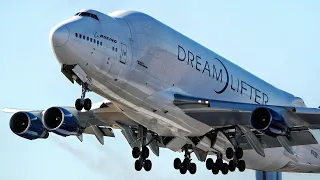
[59, 35]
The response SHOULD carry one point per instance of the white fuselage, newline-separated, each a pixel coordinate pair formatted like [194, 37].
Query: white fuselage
[138, 63]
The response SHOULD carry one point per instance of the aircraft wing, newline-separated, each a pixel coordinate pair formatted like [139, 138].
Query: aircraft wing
[97, 121]
[291, 125]
[223, 113]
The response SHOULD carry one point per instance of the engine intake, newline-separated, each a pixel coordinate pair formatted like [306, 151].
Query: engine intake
[268, 122]
[61, 121]
[27, 125]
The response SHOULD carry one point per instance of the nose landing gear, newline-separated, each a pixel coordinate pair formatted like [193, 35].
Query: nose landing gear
[83, 102]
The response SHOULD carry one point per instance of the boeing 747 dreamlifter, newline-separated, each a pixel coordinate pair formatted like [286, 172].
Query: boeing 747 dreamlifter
[168, 91]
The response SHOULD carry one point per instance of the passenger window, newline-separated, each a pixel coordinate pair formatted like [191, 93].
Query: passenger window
[80, 36]
[100, 43]
[116, 49]
[90, 39]
[84, 37]
[87, 38]
[94, 40]
[76, 34]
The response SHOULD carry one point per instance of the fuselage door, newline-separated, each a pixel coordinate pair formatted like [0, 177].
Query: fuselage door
[123, 55]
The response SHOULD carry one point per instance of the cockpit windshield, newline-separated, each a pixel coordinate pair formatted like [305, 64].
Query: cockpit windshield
[88, 15]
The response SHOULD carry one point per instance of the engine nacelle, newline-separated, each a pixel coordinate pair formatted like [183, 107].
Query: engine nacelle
[269, 122]
[27, 125]
[61, 121]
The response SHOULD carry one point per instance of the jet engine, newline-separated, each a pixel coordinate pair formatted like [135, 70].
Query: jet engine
[28, 125]
[269, 122]
[61, 121]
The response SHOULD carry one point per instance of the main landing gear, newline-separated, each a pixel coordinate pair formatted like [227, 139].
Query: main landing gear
[234, 163]
[83, 102]
[186, 165]
[141, 154]
[141, 157]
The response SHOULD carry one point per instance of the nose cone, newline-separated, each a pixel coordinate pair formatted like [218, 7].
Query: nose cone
[59, 35]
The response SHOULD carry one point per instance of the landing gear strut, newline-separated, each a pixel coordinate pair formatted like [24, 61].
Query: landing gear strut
[143, 154]
[83, 102]
[186, 165]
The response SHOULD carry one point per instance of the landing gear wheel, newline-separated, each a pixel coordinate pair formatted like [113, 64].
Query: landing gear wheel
[145, 152]
[183, 170]
[209, 163]
[229, 153]
[241, 165]
[177, 163]
[219, 164]
[215, 169]
[147, 165]
[239, 153]
[136, 152]
[232, 166]
[225, 169]
[138, 165]
[87, 104]
[78, 105]
[186, 163]
[192, 168]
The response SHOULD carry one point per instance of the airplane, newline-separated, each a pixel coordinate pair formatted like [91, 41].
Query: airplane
[165, 90]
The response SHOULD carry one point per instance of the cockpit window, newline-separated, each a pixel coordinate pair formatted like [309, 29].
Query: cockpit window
[88, 15]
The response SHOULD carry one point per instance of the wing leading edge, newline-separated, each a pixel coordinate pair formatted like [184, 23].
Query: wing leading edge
[223, 113]
[98, 121]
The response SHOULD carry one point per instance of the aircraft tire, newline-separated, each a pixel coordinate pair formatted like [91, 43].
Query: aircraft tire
[136, 152]
[145, 152]
[219, 163]
[183, 170]
[87, 104]
[215, 169]
[225, 169]
[177, 163]
[186, 163]
[229, 153]
[241, 165]
[231, 166]
[239, 153]
[78, 105]
[209, 163]
[147, 165]
[192, 168]
[138, 165]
